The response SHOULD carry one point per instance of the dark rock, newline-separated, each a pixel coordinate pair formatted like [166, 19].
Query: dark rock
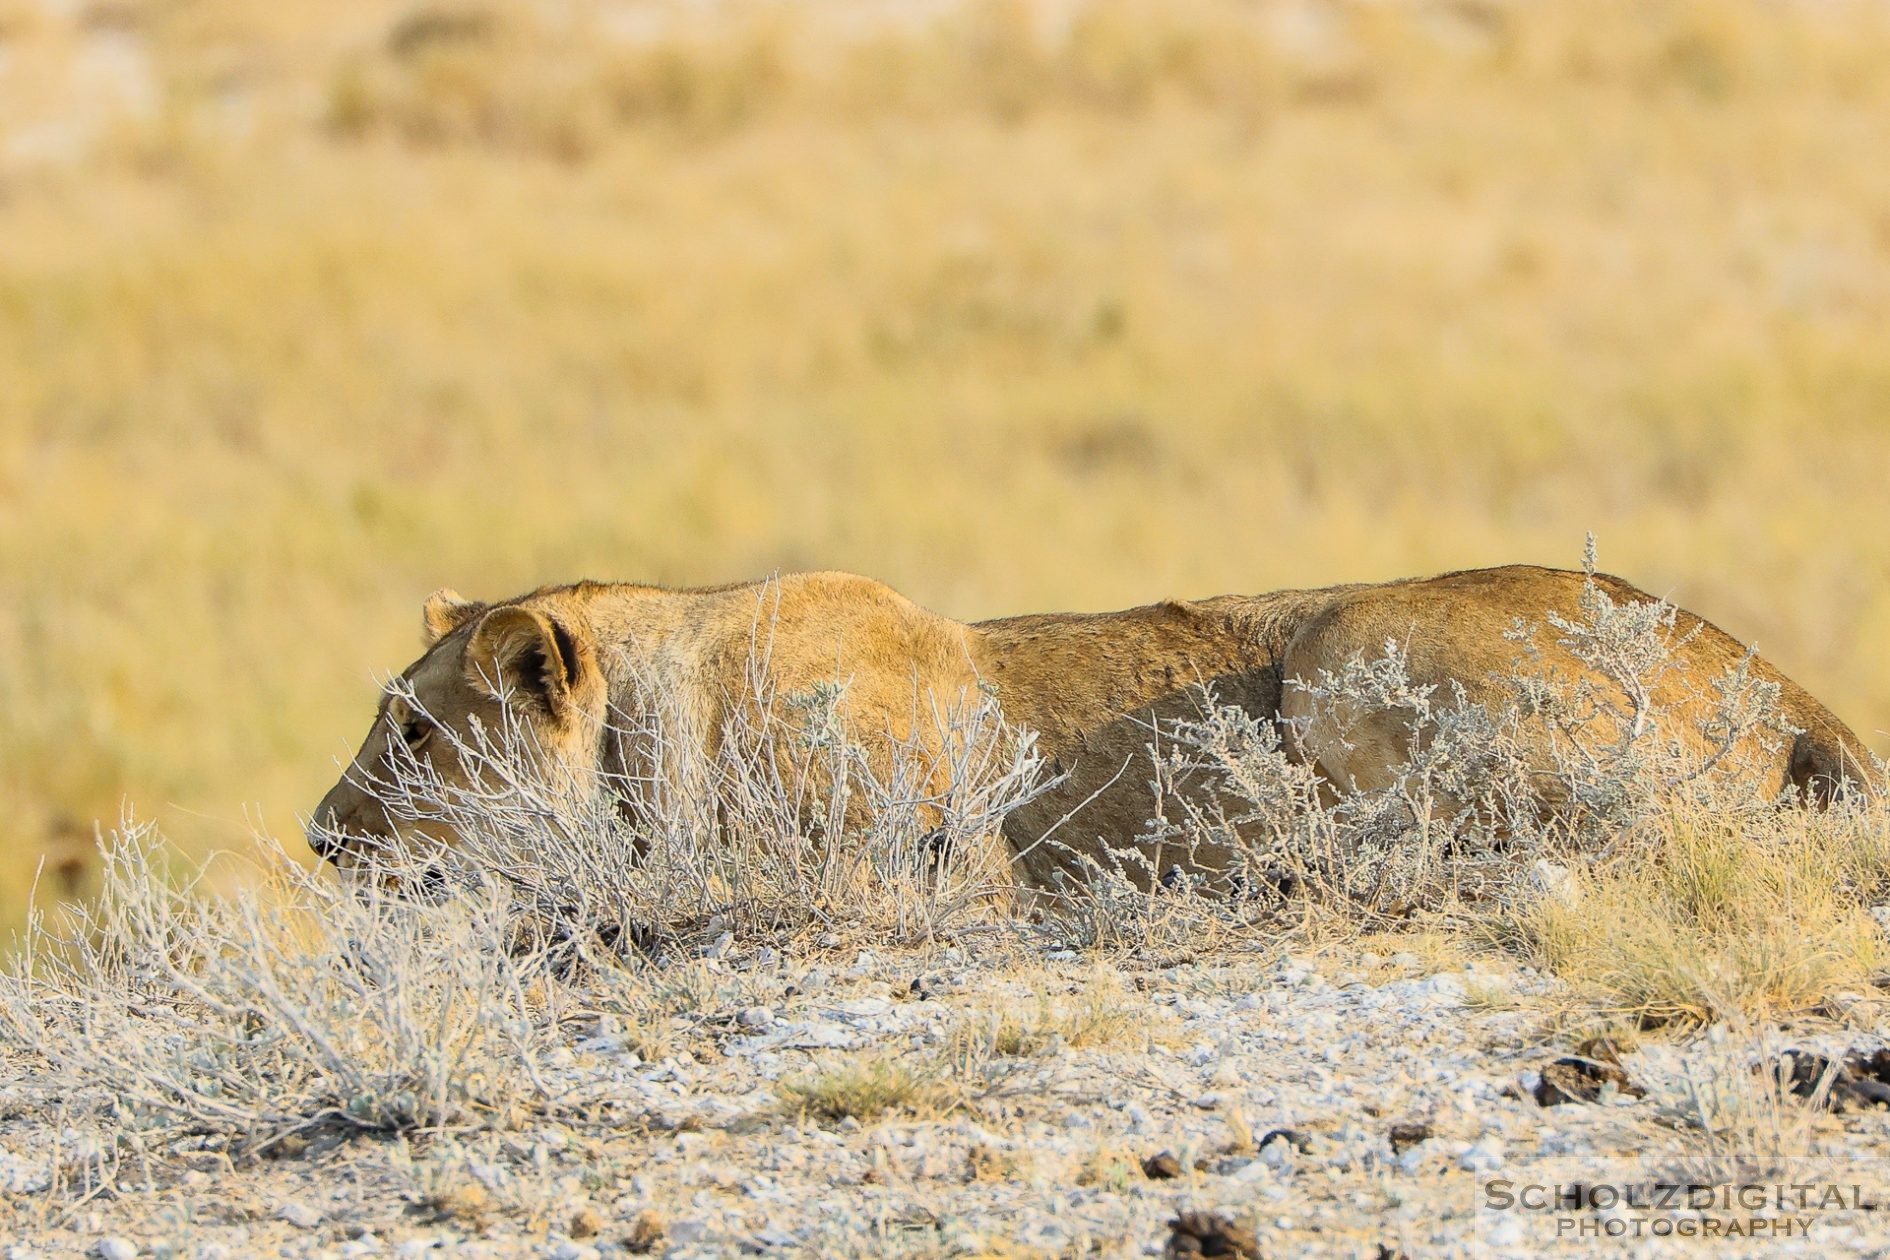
[1577, 1079]
[1201, 1233]
[1859, 1081]
[645, 1234]
[1161, 1166]
[1404, 1136]
[1293, 1137]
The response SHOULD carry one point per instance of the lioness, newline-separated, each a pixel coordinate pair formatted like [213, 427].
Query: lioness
[1089, 684]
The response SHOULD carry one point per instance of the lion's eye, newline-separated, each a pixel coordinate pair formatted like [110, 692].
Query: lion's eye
[412, 728]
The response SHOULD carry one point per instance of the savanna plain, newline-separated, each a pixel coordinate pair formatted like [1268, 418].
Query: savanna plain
[308, 309]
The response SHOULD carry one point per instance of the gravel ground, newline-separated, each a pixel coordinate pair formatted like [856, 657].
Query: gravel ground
[1353, 1104]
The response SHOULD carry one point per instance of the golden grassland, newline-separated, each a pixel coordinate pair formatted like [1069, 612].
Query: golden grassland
[307, 309]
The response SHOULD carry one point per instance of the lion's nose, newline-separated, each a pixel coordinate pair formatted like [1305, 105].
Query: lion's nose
[324, 834]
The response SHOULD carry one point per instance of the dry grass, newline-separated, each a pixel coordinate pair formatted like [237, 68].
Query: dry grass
[1724, 917]
[308, 310]
[866, 1087]
[1097, 1013]
[1725, 1111]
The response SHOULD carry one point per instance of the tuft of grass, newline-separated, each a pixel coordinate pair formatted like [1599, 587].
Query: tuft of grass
[1723, 916]
[1098, 1013]
[1109, 1167]
[866, 1087]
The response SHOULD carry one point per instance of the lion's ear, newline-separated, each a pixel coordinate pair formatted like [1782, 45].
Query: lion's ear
[445, 611]
[526, 656]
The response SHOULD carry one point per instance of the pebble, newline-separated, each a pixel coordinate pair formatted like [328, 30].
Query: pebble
[1508, 1232]
[1255, 1170]
[1484, 1156]
[1554, 882]
[755, 1017]
[300, 1215]
[1278, 1156]
[572, 1251]
[19, 1176]
[115, 1249]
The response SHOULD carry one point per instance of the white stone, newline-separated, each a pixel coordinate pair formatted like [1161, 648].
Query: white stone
[20, 1176]
[756, 1017]
[1278, 1154]
[1554, 882]
[1508, 1232]
[115, 1249]
[300, 1215]
[1484, 1156]
[1253, 1170]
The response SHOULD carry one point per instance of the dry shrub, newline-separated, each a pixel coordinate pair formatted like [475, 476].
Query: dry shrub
[563, 84]
[424, 992]
[302, 1005]
[1607, 834]
[790, 823]
[1581, 767]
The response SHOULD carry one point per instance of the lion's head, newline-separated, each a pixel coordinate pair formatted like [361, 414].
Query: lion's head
[520, 678]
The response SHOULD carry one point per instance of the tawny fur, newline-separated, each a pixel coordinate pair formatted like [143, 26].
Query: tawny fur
[1089, 684]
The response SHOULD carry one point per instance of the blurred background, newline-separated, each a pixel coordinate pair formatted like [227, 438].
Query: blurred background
[309, 307]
